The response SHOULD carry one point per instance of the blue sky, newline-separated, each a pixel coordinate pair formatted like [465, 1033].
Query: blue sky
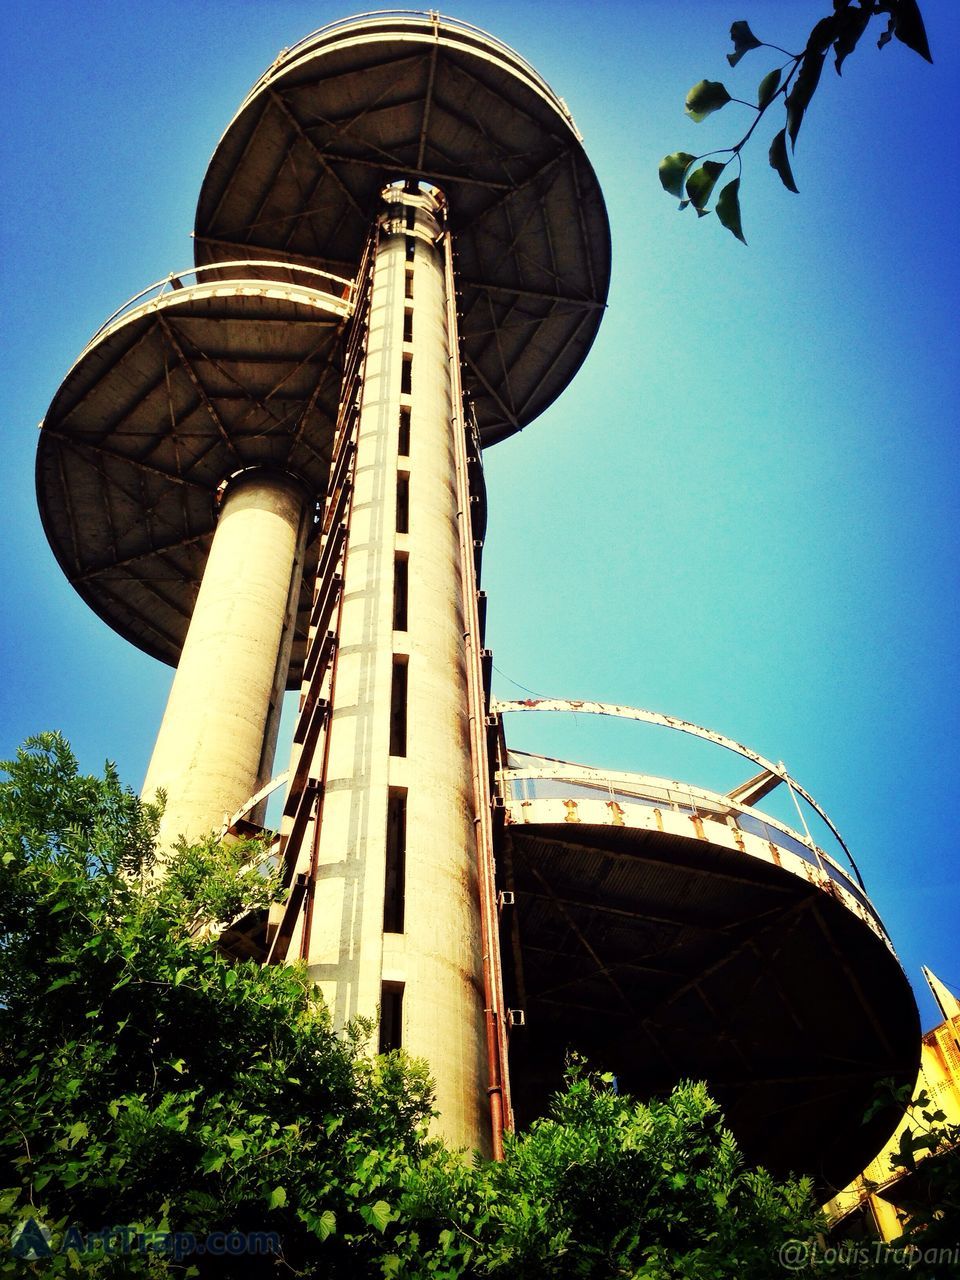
[743, 511]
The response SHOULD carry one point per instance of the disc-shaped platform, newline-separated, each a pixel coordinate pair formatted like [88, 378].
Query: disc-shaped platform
[167, 402]
[299, 171]
[667, 942]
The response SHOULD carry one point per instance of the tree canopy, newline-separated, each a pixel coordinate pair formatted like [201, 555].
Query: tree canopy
[168, 1109]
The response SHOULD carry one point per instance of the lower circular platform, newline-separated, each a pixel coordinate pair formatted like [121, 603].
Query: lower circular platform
[173, 396]
[669, 933]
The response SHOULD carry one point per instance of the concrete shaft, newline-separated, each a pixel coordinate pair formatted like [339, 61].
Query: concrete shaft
[395, 923]
[216, 742]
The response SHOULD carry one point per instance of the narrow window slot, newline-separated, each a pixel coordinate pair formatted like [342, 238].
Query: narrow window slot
[408, 326]
[398, 709]
[403, 439]
[393, 897]
[411, 248]
[411, 219]
[391, 1016]
[406, 375]
[403, 504]
[408, 284]
[400, 583]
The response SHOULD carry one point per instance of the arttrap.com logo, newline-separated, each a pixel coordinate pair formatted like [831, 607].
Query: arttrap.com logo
[31, 1241]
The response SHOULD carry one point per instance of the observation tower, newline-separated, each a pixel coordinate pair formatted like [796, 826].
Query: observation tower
[267, 472]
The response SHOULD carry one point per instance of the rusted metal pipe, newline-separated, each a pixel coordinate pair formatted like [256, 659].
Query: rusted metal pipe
[497, 1071]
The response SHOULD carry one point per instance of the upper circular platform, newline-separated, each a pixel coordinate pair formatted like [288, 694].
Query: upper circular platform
[670, 932]
[182, 388]
[399, 95]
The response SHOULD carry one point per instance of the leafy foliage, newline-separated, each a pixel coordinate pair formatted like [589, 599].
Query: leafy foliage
[606, 1186]
[145, 1079]
[149, 1081]
[795, 81]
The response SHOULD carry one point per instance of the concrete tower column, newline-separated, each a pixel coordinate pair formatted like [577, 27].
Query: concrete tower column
[216, 743]
[395, 918]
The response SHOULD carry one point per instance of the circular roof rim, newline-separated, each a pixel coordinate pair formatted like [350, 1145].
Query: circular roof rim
[659, 719]
[567, 770]
[702, 799]
[172, 282]
[380, 21]
[251, 299]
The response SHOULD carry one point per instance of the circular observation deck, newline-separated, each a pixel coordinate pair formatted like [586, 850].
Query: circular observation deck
[669, 932]
[183, 387]
[398, 95]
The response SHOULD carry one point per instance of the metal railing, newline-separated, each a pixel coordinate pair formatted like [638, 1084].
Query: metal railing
[430, 19]
[554, 780]
[175, 281]
[617, 710]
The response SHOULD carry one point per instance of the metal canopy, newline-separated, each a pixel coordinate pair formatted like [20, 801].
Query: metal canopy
[165, 404]
[299, 171]
[662, 957]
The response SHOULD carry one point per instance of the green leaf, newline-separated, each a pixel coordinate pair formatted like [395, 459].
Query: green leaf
[704, 98]
[909, 29]
[9, 1198]
[277, 1198]
[804, 87]
[326, 1224]
[701, 182]
[850, 26]
[728, 209]
[378, 1215]
[768, 87]
[58, 983]
[672, 170]
[77, 1131]
[179, 976]
[780, 162]
[743, 41]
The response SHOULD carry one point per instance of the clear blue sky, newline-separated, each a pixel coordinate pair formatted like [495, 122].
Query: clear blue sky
[744, 509]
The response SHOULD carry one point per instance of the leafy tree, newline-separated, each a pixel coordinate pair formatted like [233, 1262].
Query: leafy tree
[147, 1080]
[605, 1186]
[150, 1082]
[793, 83]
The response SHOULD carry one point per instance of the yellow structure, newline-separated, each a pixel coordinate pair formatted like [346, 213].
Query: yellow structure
[874, 1202]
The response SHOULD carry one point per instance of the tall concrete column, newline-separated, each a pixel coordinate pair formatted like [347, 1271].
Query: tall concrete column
[215, 745]
[395, 919]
